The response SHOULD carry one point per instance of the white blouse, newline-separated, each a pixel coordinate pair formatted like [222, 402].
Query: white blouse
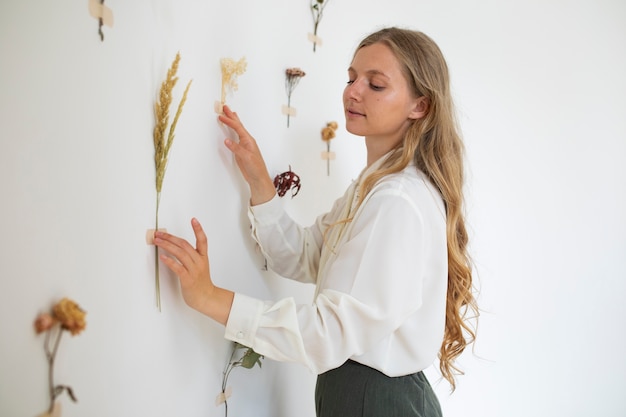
[381, 280]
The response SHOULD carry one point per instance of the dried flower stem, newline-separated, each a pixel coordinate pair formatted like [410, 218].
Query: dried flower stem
[162, 147]
[55, 390]
[328, 133]
[247, 360]
[50, 355]
[317, 9]
[292, 78]
[328, 159]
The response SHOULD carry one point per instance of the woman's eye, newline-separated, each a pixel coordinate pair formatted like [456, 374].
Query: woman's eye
[376, 87]
[350, 82]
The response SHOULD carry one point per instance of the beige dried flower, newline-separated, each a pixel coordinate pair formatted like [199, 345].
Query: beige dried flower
[230, 70]
[70, 315]
[44, 322]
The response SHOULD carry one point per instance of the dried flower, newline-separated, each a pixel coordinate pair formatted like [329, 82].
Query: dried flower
[230, 70]
[247, 360]
[286, 181]
[70, 315]
[66, 316]
[44, 322]
[328, 133]
[162, 146]
[292, 78]
[317, 9]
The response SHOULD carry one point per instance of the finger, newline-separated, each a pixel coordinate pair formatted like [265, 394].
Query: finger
[228, 116]
[179, 248]
[201, 240]
[176, 267]
[232, 145]
[228, 112]
[231, 119]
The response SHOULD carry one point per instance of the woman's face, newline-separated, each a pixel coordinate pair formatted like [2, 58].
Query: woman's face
[378, 103]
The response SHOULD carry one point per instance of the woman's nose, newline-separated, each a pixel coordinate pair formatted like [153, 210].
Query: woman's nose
[352, 91]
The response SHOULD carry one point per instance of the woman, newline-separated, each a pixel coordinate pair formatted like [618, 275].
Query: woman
[389, 261]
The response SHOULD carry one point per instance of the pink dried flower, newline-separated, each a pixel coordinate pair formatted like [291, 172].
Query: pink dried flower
[44, 322]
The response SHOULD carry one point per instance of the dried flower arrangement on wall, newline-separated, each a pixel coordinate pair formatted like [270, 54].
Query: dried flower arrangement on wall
[317, 9]
[286, 181]
[328, 133]
[98, 10]
[292, 78]
[230, 70]
[162, 145]
[248, 359]
[66, 316]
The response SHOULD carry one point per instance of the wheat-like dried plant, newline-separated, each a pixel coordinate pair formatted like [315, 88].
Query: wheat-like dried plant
[162, 145]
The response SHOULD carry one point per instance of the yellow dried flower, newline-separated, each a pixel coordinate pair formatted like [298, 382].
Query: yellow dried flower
[70, 315]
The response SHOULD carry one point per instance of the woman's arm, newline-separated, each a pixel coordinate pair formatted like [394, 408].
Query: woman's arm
[249, 159]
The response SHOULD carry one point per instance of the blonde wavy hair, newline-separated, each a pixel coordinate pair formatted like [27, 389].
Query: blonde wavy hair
[434, 144]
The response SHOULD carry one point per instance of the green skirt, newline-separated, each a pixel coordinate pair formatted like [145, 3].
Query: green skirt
[356, 390]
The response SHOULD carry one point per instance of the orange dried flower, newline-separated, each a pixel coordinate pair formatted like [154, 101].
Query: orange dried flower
[44, 322]
[328, 132]
[70, 315]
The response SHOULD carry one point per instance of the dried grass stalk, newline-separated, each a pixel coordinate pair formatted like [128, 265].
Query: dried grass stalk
[162, 145]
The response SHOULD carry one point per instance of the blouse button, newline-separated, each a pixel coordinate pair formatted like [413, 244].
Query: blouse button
[240, 335]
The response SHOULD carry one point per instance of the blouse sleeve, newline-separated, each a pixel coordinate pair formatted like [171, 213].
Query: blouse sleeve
[374, 284]
[291, 250]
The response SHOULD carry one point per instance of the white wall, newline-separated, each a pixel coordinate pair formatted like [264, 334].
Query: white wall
[541, 94]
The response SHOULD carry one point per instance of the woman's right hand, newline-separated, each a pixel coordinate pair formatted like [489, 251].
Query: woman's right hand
[249, 159]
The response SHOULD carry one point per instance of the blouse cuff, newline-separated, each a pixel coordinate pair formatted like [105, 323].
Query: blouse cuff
[243, 320]
[266, 213]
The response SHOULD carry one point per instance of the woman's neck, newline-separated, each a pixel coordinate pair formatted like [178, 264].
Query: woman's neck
[377, 148]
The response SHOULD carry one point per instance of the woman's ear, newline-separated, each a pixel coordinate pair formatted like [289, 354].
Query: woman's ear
[420, 108]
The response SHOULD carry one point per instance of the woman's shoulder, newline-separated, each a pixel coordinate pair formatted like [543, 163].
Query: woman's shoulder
[410, 184]
[410, 178]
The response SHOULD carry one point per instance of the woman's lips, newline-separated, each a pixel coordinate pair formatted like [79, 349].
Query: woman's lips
[354, 113]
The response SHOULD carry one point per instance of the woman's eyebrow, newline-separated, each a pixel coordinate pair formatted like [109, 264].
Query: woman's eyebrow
[370, 72]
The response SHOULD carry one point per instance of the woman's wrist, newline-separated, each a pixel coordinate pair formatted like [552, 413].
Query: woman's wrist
[217, 305]
[262, 194]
